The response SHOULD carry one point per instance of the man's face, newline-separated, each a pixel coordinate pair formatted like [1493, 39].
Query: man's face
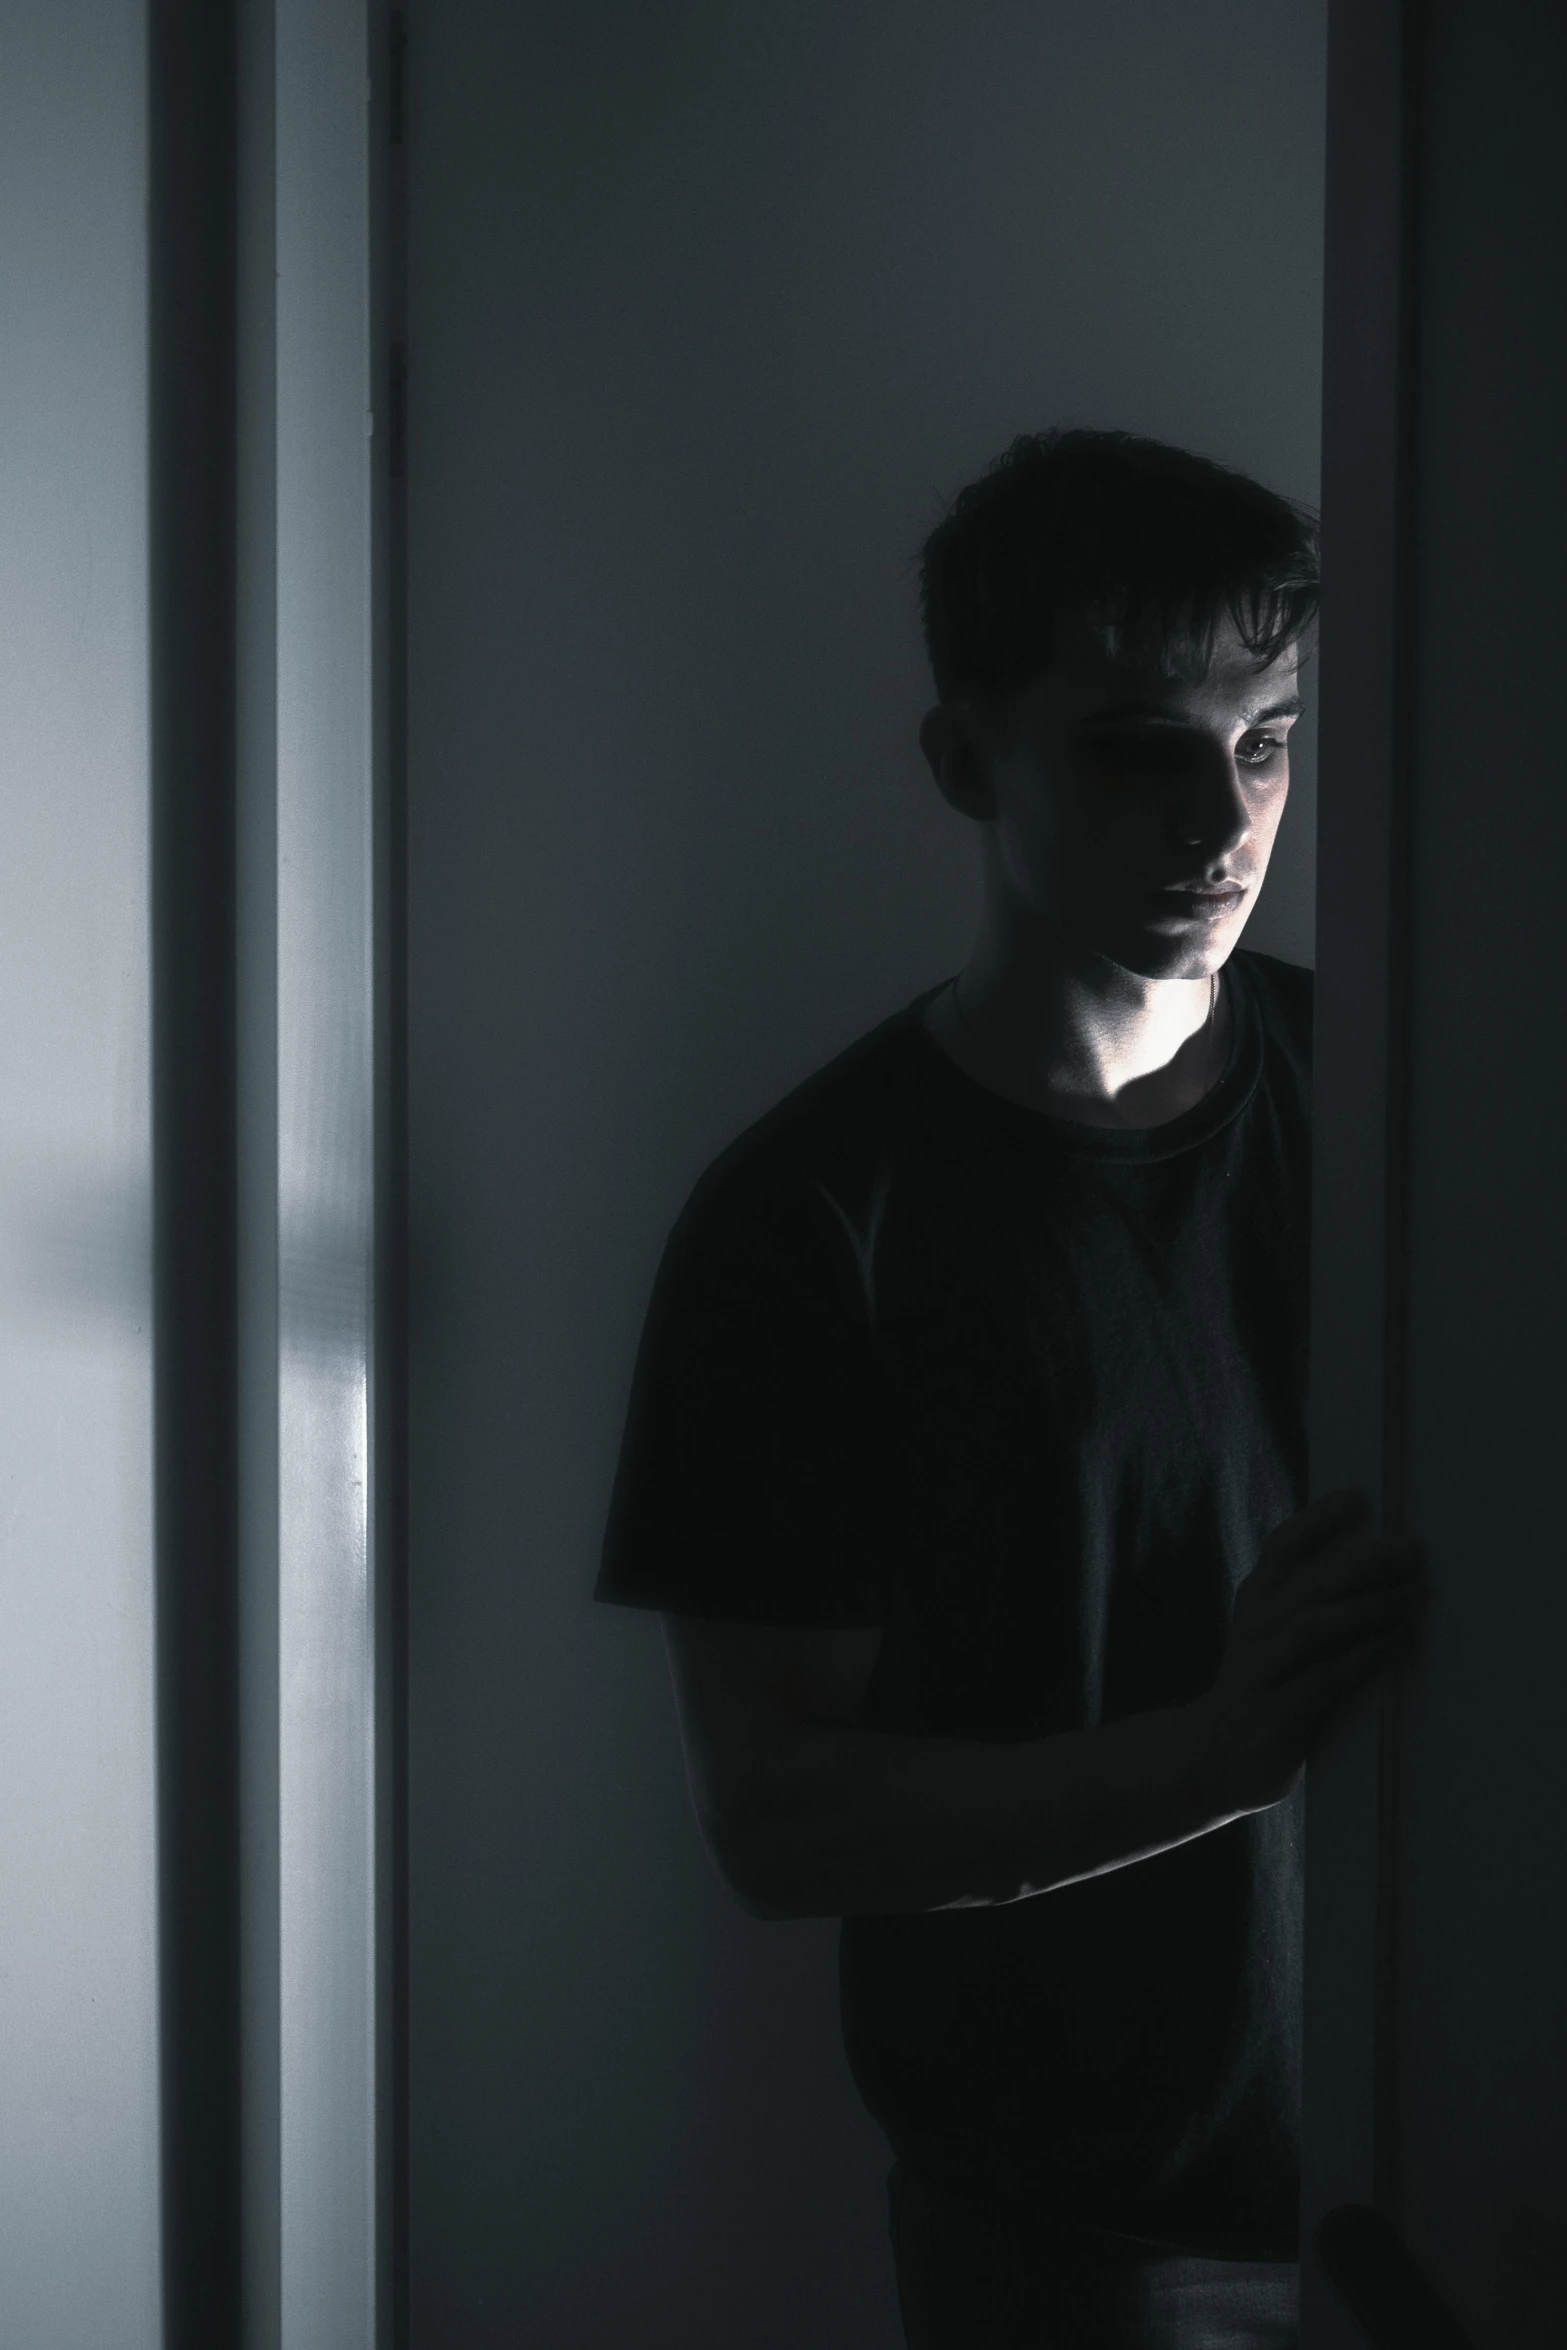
[1134, 813]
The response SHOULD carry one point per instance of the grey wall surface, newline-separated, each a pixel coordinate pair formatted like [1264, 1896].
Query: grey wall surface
[710, 307]
[78, 2033]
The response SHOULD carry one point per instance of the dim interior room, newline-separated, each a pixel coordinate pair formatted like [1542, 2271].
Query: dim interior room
[465, 468]
[710, 309]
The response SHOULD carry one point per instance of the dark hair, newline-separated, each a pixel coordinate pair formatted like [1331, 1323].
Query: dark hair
[1149, 544]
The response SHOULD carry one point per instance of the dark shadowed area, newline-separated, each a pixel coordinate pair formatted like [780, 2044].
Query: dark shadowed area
[710, 309]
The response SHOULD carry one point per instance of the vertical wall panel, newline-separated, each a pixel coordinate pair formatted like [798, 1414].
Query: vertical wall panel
[192, 730]
[256, 1039]
[79, 2199]
[1483, 1880]
[1358, 1159]
[325, 1180]
[1436, 2045]
[79, 1955]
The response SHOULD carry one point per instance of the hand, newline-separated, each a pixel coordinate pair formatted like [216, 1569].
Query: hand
[1329, 1605]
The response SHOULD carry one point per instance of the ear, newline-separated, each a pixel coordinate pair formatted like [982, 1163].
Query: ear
[959, 760]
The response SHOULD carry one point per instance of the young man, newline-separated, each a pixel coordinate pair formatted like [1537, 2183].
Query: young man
[966, 1454]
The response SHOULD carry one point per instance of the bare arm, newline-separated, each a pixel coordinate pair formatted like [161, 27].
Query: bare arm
[809, 1815]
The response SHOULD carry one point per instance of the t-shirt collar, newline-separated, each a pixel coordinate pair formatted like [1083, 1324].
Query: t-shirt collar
[1222, 1102]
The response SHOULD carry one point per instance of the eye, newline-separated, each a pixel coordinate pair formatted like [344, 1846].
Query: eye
[1258, 750]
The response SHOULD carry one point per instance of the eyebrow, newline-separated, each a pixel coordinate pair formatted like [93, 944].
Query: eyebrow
[1291, 707]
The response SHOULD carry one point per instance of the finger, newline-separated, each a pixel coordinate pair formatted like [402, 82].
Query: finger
[1328, 1630]
[1335, 1682]
[1346, 1505]
[1355, 1552]
[1327, 1518]
[1369, 1562]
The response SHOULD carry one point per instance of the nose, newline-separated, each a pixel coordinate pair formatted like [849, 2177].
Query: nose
[1213, 815]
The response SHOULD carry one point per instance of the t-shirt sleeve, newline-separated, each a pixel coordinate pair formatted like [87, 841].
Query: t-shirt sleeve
[757, 1479]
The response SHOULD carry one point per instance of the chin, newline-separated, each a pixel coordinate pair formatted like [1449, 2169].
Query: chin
[1174, 958]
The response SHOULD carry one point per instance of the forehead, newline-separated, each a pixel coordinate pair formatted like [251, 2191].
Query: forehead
[1086, 680]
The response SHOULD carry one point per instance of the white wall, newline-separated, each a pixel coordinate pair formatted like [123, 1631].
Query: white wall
[709, 309]
[78, 2080]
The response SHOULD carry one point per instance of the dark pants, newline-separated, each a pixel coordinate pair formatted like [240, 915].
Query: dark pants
[975, 2276]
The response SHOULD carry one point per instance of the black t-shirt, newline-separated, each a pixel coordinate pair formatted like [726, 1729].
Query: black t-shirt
[1029, 1395]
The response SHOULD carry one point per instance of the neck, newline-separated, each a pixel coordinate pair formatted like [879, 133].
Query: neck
[1049, 1023]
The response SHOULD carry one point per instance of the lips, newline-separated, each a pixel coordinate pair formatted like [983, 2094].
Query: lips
[1201, 898]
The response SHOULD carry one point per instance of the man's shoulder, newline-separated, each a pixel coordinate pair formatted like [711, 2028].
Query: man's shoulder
[836, 1124]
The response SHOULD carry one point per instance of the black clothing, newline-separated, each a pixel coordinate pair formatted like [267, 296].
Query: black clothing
[1030, 1395]
[993, 2277]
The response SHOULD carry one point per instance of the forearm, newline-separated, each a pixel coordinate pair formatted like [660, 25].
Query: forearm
[864, 1822]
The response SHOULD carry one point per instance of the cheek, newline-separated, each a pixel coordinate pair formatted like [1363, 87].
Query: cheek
[1030, 852]
[1122, 828]
[1090, 852]
[1029, 834]
[1268, 813]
